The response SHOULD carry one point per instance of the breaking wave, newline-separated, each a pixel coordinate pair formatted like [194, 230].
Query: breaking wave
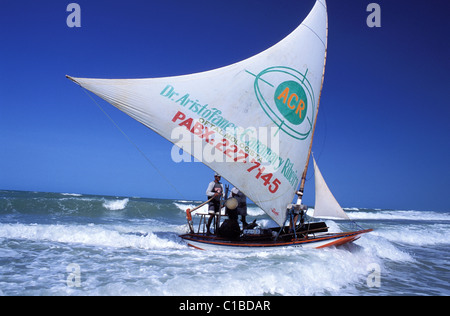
[116, 205]
[411, 215]
[89, 235]
[130, 246]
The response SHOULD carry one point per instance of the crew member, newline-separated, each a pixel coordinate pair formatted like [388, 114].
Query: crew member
[215, 189]
[242, 205]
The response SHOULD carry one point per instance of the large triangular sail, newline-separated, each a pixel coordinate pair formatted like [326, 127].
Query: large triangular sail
[251, 121]
[326, 205]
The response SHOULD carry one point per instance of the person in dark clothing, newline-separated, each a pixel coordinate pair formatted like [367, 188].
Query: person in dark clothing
[230, 227]
[242, 205]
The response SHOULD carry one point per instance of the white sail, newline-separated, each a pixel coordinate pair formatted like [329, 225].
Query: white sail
[251, 121]
[326, 205]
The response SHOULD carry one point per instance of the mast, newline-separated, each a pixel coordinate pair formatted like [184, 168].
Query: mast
[303, 180]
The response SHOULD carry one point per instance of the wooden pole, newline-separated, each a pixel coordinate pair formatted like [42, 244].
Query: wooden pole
[302, 182]
[197, 207]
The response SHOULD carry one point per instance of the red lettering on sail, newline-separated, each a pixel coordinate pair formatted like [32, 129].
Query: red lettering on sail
[266, 177]
[179, 116]
[197, 129]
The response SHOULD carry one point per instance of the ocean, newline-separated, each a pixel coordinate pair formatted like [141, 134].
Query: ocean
[76, 244]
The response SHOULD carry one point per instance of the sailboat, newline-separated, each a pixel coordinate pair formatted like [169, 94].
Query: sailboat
[252, 122]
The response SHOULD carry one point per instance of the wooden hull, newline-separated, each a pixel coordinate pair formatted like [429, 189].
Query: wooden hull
[203, 242]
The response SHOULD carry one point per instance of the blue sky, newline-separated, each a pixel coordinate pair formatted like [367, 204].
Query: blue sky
[382, 137]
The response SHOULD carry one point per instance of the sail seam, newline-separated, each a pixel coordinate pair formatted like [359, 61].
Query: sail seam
[323, 43]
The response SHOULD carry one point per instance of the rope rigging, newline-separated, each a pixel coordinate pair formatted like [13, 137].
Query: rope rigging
[134, 144]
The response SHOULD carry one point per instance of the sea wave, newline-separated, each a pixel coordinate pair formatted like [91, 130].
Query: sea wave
[410, 215]
[127, 246]
[416, 235]
[72, 194]
[116, 205]
[91, 235]
[187, 205]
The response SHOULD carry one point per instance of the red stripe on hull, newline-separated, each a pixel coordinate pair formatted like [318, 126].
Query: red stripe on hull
[335, 240]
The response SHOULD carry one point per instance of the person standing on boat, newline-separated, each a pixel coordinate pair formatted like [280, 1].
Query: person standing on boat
[215, 189]
[242, 205]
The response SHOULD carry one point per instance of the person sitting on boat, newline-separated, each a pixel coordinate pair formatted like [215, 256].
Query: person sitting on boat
[215, 189]
[242, 205]
[230, 227]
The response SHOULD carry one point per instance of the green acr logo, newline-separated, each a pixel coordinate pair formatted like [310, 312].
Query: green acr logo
[291, 101]
[287, 98]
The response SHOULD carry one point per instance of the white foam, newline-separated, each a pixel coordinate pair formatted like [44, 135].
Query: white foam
[184, 207]
[93, 235]
[381, 247]
[399, 215]
[71, 194]
[417, 235]
[115, 205]
[171, 268]
[279, 272]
